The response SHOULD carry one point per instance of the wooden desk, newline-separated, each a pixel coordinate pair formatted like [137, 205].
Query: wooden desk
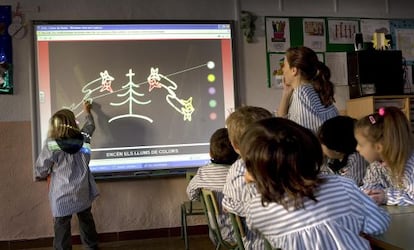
[400, 234]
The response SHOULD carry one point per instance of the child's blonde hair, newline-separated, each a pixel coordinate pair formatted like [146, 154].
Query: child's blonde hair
[390, 128]
[238, 121]
[63, 125]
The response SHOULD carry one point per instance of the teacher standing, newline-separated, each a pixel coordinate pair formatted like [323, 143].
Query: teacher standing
[308, 93]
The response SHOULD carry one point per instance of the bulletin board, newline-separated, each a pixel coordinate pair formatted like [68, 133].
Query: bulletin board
[318, 33]
[402, 33]
[331, 34]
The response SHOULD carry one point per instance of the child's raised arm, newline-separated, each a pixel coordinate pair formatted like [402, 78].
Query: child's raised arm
[377, 219]
[89, 126]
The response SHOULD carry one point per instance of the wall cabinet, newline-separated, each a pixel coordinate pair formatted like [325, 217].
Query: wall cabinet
[359, 107]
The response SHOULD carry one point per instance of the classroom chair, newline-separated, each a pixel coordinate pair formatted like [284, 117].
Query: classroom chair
[267, 245]
[239, 232]
[189, 208]
[212, 211]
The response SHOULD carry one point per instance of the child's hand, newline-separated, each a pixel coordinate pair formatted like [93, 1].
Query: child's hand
[378, 195]
[87, 106]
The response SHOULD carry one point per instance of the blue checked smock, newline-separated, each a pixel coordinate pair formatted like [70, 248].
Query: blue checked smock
[72, 187]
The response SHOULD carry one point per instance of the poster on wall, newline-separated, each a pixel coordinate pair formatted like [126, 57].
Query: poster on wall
[408, 79]
[402, 36]
[6, 75]
[275, 72]
[342, 31]
[405, 43]
[337, 63]
[314, 34]
[277, 34]
[371, 26]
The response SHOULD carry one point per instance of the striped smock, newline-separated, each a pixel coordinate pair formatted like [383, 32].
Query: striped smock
[342, 212]
[306, 108]
[354, 169]
[237, 194]
[378, 176]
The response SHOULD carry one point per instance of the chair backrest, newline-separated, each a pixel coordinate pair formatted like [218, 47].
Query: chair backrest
[239, 232]
[188, 176]
[212, 211]
[267, 245]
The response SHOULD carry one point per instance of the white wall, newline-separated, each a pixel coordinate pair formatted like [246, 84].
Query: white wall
[252, 57]
[18, 106]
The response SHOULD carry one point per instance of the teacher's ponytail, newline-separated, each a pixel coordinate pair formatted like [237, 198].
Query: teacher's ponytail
[323, 85]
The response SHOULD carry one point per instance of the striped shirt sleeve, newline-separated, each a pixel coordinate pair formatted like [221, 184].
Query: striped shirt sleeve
[376, 219]
[355, 168]
[212, 176]
[378, 176]
[193, 189]
[235, 190]
[44, 163]
[403, 195]
[88, 127]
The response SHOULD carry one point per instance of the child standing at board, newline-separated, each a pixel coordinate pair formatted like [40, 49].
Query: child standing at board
[338, 142]
[65, 158]
[308, 93]
[213, 176]
[236, 191]
[297, 207]
[385, 140]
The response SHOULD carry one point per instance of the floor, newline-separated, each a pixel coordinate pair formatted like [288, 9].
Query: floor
[197, 242]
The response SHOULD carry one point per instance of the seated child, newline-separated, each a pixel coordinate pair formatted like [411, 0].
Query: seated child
[297, 207]
[236, 191]
[213, 176]
[385, 140]
[336, 136]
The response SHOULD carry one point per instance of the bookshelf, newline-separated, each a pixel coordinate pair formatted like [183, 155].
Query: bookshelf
[359, 107]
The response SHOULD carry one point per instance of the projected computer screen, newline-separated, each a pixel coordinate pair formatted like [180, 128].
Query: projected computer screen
[159, 90]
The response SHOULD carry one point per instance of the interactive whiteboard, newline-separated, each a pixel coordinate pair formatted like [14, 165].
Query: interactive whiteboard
[159, 89]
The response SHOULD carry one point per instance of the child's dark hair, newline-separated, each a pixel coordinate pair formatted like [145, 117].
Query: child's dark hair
[314, 71]
[391, 128]
[284, 159]
[63, 125]
[221, 150]
[337, 134]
